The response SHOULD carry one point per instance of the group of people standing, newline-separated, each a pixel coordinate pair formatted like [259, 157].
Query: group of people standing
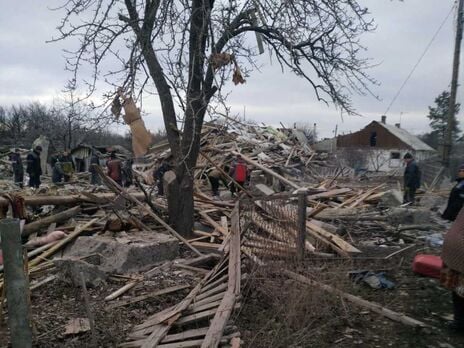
[238, 171]
[63, 168]
[33, 167]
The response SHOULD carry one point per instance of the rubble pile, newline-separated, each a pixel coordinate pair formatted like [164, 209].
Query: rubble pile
[96, 234]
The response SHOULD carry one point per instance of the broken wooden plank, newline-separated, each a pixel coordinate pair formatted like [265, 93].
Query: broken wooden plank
[213, 223]
[78, 230]
[213, 291]
[160, 324]
[122, 290]
[38, 200]
[339, 242]
[45, 222]
[209, 299]
[328, 194]
[195, 308]
[191, 268]
[365, 196]
[148, 296]
[194, 333]
[219, 322]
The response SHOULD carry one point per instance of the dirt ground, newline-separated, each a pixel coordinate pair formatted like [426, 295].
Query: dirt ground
[55, 303]
[276, 312]
[282, 313]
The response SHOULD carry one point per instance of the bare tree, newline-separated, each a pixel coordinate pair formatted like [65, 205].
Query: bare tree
[186, 50]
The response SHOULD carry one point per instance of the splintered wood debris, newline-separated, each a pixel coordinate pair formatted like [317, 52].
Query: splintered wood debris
[259, 226]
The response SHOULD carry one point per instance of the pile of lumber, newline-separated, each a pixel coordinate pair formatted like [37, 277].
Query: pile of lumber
[202, 318]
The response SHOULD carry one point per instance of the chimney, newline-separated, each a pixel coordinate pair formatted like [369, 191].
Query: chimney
[397, 125]
[384, 119]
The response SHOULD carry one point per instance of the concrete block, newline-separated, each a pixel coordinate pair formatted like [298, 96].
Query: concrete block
[69, 270]
[411, 216]
[433, 202]
[133, 253]
[392, 198]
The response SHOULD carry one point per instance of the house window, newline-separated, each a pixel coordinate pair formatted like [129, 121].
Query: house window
[373, 139]
[395, 155]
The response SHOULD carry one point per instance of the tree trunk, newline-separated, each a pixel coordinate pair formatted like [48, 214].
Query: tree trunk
[179, 192]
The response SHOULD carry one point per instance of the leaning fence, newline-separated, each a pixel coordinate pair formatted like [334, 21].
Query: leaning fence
[275, 228]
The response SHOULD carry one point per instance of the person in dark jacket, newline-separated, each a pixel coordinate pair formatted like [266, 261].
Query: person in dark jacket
[33, 167]
[158, 174]
[17, 166]
[412, 179]
[57, 169]
[456, 197]
[127, 175]
[94, 162]
[68, 166]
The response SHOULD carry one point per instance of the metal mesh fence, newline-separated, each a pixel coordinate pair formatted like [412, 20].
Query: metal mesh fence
[271, 228]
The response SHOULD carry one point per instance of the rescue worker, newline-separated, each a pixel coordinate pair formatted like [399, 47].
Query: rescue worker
[412, 179]
[114, 166]
[456, 197]
[18, 169]
[94, 161]
[238, 172]
[33, 167]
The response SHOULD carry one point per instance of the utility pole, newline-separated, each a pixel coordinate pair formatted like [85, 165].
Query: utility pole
[447, 143]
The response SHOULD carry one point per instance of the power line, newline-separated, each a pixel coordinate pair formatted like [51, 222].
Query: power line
[420, 59]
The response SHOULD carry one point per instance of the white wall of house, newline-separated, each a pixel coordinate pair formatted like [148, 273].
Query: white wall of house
[385, 160]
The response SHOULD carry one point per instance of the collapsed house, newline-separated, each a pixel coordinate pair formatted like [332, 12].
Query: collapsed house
[116, 241]
[377, 147]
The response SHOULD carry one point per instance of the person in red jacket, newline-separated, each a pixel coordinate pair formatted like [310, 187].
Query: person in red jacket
[238, 172]
[114, 166]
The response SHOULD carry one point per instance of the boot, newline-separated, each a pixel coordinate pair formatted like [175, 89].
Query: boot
[458, 308]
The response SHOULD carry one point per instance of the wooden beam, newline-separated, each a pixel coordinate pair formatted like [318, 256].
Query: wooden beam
[372, 306]
[38, 200]
[17, 287]
[147, 296]
[219, 322]
[45, 222]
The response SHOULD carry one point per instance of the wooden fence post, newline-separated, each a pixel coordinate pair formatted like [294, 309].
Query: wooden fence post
[16, 284]
[301, 237]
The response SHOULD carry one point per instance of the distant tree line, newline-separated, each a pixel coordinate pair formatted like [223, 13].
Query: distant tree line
[65, 127]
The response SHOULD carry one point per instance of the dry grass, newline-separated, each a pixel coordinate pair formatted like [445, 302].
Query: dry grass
[283, 313]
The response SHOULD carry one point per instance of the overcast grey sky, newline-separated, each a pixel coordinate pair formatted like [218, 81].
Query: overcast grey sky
[32, 70]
